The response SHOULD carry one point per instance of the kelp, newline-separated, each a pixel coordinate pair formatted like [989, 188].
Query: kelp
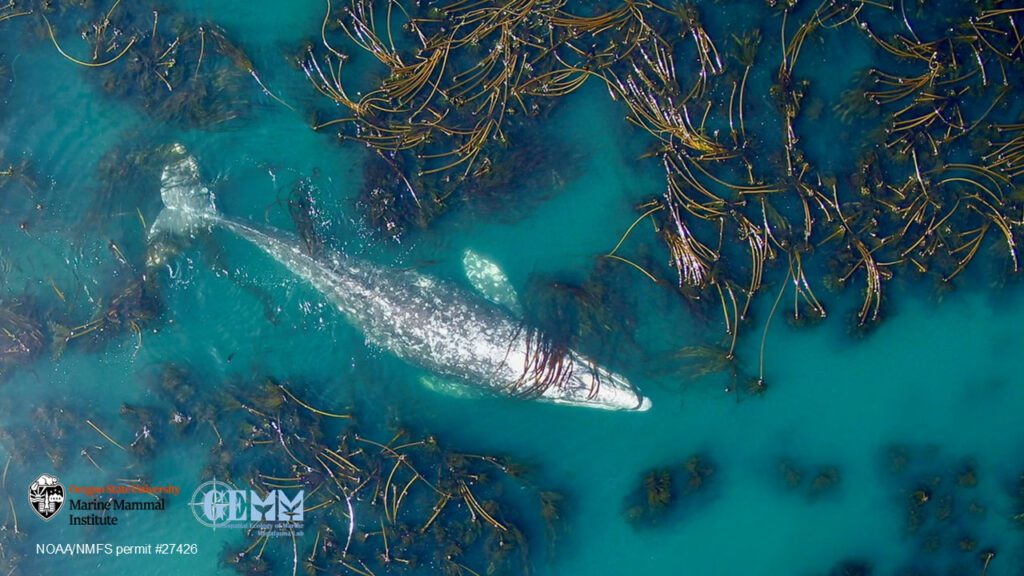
[852, 567]
[14, 538]
[47, 435]
[737, 203]
[136, 304]
[450, 99]
[21, 334]
[943, 512]
[168, 65]
[6, 81]
[434, 99]
[664, 491]
[455, 106]
[908, 207]
[372, 506]
[126, 174]
[596, 312]
[400, 197]
[19, 175]
[382, 503]
[814, 483]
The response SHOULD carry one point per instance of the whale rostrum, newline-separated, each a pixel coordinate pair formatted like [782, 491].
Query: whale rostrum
[466, 341]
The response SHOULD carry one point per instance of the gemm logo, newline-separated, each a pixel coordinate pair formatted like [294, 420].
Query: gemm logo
[218, 504]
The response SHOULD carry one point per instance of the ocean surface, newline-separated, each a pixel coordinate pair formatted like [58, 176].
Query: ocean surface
[822, 468]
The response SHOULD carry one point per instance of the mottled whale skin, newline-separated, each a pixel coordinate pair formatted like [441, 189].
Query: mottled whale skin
[425, 321]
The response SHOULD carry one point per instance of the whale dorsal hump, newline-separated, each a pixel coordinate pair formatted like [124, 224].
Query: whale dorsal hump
[490, 280]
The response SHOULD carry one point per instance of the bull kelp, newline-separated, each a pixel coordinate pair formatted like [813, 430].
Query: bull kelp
[173, 67]
[934, 179]
[400, 505]
[793, 224]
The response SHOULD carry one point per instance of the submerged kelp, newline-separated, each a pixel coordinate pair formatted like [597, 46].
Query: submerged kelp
[666, 491]
[18, 179]
[21, 334]
[851, 568]
[584, 308]
[129, 310]
[14, 539]
[58, 431]
[511, 182]
[821, 482]
[6, 81]
[450, 116]
[908, 205]
[944, 513]
[935, 181]
[596, 313]
[127, 175]
[63, 437]
[461, 91]
[129, 298]
[46, 435]
[168, 65]
[404, 505]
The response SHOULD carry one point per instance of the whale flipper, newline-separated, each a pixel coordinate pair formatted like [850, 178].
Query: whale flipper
[490, 281]
[449, 388]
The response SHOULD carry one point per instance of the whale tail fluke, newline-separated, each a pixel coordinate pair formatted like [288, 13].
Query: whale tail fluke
[189, 207]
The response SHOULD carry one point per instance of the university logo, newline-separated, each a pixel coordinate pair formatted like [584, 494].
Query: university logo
[218, 504]
[46, 495]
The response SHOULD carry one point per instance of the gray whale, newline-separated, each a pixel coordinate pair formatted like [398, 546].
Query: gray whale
[458, 336]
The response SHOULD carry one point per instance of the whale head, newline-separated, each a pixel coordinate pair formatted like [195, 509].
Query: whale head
[601, 388]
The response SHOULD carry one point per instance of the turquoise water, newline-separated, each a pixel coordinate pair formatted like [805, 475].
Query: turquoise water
[937, 383]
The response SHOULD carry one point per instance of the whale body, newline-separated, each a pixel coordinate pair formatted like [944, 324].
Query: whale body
[463, 339]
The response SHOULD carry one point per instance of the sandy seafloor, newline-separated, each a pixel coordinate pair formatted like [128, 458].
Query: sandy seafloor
[940, 378]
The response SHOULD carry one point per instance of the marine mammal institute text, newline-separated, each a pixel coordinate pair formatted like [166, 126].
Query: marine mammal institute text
[105, 506]
[92, 520]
